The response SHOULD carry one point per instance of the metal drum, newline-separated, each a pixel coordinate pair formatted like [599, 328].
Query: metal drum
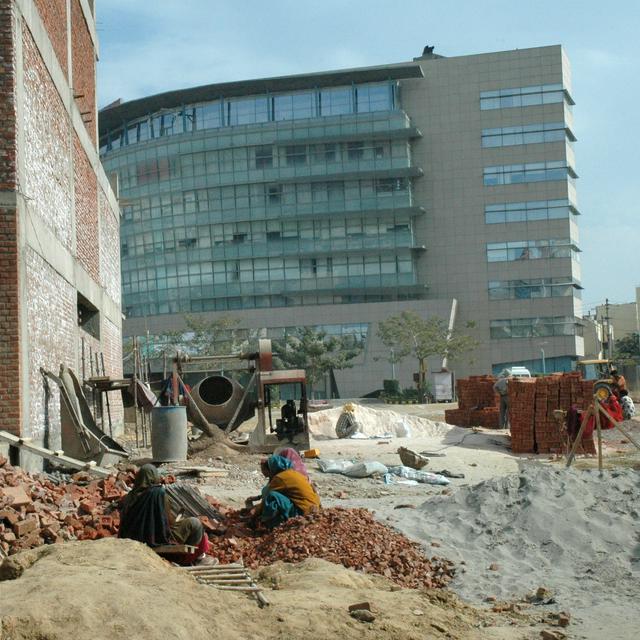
[218, 397]
[169, 434]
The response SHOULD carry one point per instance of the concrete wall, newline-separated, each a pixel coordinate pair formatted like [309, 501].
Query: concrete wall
[59, 216]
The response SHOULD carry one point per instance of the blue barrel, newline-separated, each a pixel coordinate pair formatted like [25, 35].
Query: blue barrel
[169, 434]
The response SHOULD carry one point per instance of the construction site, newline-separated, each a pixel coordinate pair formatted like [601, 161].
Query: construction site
[224, 498]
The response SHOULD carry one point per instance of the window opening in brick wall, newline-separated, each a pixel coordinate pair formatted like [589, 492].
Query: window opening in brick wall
[88, 317]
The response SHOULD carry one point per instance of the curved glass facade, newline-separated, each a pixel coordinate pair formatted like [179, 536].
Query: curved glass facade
[267, 201]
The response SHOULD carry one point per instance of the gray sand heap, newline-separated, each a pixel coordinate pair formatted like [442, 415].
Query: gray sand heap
[546, 526]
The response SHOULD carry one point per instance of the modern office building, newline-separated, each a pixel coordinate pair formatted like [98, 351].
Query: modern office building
[338, 199]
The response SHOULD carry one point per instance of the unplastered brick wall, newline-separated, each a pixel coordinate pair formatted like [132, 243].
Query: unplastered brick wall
[54, 16]
[109, 248]
[7, 99]
[86, 211]
[111, 339]
[47, 160]
[83, 65]
[52, 329]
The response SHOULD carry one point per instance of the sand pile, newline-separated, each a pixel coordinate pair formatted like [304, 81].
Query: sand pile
[120, 590]
[376, 422]
[350, 537]
[567, 530]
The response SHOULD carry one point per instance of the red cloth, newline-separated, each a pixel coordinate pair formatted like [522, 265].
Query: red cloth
[203, 547]
[296, 460]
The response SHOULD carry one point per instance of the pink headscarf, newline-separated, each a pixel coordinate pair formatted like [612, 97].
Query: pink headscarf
[296, 460]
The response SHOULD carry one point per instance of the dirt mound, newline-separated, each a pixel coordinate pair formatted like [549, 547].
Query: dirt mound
[565, 529]
[376, 423]
[350, 537]
[118, 589]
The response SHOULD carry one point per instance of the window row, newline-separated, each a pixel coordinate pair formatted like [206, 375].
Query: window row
[302, 233]
[528, 211]
[533, 288]
[526, 134]
[534, 327]
[228, 112]
[233, 303]
[358, 331]
[531, 172]
[532, 250]
[252, 198]
[351, 155]
[263, 270]
[524, 96]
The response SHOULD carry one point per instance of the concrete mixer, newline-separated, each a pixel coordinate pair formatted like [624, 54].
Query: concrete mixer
[222, 401]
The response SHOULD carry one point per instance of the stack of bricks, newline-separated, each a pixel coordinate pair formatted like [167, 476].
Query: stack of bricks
[478, 403]
[34, 510]
[532, 403]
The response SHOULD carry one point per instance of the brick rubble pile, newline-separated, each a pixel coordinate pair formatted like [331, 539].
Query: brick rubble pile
[532, 402]
[351, 537]
[34, 510]
[478, 403]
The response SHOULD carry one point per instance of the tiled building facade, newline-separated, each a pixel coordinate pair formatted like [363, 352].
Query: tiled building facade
[60, 218]
[441, 185]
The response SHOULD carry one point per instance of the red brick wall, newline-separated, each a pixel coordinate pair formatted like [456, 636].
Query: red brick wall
[47, 134]
[83, 58]
[86, 211]
[54, 15]
[9, 316]
[7, 98]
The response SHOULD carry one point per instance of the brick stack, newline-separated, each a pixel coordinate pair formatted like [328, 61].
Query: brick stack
[532, 402]
[478, 403]
[522, 398]
[34, 510]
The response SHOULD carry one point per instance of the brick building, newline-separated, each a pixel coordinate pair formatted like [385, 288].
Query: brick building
[59, 218]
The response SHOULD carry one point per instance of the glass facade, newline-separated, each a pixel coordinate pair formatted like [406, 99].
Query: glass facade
[268, 201]
[527, 134]
[230, 112]
[532, 250]
[530, 172]
[533, 288]
[556, 364]
[524, 97]
[535, 327]
[529, 211]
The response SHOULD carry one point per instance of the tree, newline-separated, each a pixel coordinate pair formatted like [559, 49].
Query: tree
[202, 336]
[316, 352]
[410, 335]
[628, 349]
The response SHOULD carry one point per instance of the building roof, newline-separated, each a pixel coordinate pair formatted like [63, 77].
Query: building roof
[114, 115]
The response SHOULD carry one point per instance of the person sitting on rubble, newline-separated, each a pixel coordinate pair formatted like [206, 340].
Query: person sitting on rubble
[287, 494]
[145, 515]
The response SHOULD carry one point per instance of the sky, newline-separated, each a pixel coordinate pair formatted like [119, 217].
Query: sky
[147, 47]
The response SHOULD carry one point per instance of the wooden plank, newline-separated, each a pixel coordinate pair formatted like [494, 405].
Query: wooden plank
[25, 443]
[174, 548]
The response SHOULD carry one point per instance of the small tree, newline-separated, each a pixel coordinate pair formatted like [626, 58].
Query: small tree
[316, 352]
[410, 335]
[628, 349]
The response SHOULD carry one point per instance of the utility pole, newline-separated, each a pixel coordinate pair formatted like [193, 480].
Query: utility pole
[608, 326]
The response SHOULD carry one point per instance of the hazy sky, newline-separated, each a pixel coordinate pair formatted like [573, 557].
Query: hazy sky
[151, 46]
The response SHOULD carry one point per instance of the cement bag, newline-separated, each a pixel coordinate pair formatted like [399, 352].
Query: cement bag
[365, 469]
[425, 477]
[334, 466]
[403, 430]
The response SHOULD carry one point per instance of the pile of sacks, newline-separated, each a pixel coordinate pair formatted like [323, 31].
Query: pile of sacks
[37, 509]
[350, 537]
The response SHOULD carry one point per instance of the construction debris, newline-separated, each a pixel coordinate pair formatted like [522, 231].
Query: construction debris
[350, 537]
[82, 509]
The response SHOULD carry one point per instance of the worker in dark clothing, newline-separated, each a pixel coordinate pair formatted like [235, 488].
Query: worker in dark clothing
[501, 387]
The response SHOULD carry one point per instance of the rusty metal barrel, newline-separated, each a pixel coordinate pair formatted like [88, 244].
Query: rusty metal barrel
[218, 397]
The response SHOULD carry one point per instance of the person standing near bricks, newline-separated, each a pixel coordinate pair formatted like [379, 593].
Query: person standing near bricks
[501, 387]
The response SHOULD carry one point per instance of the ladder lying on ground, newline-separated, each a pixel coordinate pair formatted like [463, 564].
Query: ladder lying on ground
[228, 577]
